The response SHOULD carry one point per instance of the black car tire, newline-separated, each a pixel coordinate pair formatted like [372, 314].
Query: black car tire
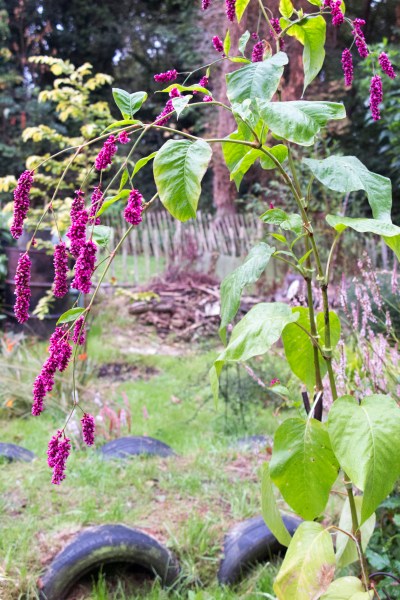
[133, 446]
[13, 452]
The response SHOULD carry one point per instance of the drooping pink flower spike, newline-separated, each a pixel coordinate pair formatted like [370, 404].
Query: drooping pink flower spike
[105, 156]
[79, 219]
[230, 9]
[134, 208]
[60, 261]
[22, 289]
[347, 65]
[88, 429]
[167, 76]
[376, 97]
[386, 65]
[218, 44]
[21, 203]
[84, 267]
[57, 455]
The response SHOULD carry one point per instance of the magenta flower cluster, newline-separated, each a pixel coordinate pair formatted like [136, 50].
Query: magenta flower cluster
[258, 52]
[22, 289]
[96, 203]
[360, 38]
[59, 356]
[205, 4]
[276, 29]
[167, 76]
[386, 65]
[21, 203]
[123, 137]
[336, 13]
[105, 156]
[230, 9]
[88, 429]
[218, 44]
[57, 454]
[60, 261]
[134, 208]
[79, 219]
[84, 267]
[167, 111]
[79, 333]
[347, 64]
[376, 97]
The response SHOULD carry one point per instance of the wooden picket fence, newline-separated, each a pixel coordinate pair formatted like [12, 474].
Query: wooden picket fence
[162, 241]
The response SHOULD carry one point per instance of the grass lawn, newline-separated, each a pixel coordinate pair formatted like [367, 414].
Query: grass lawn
[187, 502]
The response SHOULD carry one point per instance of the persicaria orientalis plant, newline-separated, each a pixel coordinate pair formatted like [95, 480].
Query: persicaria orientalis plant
[355, 451]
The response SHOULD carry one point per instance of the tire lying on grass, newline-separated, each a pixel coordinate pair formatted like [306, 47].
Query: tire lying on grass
[250, 542]
[11, 452]
[135, 445]
[99, 547]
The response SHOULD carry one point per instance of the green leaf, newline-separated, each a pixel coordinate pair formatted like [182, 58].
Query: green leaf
[243, 41]
[269, 509]
[279, 237]
[303, 465]
[70, 315]
[346, 550]
[179, 167]
[240, 7]
[227, 42]
[180, 104]
[309, 564]
[256, 80]
[127, 103]
[315, 2]
[185, 88]
[299, 121]
[277, 216]
[245, 163]
[311, 32]
[366, 441]
[389, 232]
[286, 8]
[102, 235]
[124, 179]
[232, 286]
[345, 588]
[279, 151]
[110, 200]
[142, 162]
[239, 59]
[298, 345]
[239, 157]
[259, 329]
[347, 174]
[123, 123]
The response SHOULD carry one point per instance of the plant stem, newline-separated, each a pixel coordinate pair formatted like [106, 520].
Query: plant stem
[356, 531]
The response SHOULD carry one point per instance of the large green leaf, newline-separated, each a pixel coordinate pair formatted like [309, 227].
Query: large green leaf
[309, 564]
[243, 165]
[232, 286]
[303, 465]
[299, 121]
[280, 151]
[71, 315]
[311, 32]
[366, 440]
[346, 550]
[240, 7]
[259, 329]
[347, 588]
[288, 222]
[286, 8]
[256, 80]
[127, 103]
[269, 509]
[179, 167]
[298, 346]
[389, 232]
[347, 174]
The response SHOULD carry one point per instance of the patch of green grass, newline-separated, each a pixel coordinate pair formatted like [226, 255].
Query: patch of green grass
[188, 501]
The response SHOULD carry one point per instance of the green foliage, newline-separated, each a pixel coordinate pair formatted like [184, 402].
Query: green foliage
[257, 80]
[370, 430]
[232, 286]
[346, 550]
[308, 566]
[311, 32]
[299, 347]
[269, 509]
[347, 588]
[128, 104]
[303, 465]
[299, 121]
[179, 167]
